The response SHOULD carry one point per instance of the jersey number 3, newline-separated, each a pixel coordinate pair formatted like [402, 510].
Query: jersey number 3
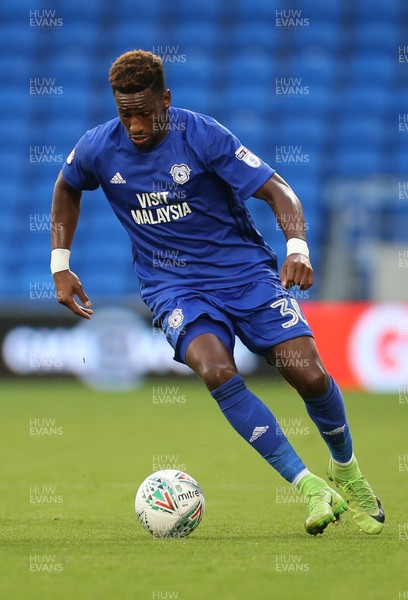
[294, 313]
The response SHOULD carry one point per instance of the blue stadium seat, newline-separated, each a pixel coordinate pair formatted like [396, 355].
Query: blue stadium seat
[188, 11]
[287, 106]
[129, 36]
[294, 162]
[76, 37]
[321, 99]
[17, 34]
[400, 161]
[140, 14]
[308, 189]
[96, 283]
[381, 11]
[16, 10]
[192, 97]
[357, 162]
[248, 127]
[314, 68]
[356, 131]
[397, 102]
[252, 68]
[18, 70]
[70, 69]
[79, 11]
[196, 67]
[364, 99]
[13, 131]
[319, 12]
[378, 36]
[198, 35]
[260, 35]
[18, 94]
[58, 113]
[374, 69]
[324, 36]
[263, 9]
[308, 130]
[244, 97]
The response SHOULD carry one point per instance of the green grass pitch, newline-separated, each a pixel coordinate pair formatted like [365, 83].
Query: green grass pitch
[68, 528]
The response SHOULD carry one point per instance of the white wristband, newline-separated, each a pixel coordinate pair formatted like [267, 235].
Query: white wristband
[59, 260]
[297, 246]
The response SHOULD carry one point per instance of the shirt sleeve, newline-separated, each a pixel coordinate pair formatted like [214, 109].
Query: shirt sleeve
[78, 170]
[234, 163]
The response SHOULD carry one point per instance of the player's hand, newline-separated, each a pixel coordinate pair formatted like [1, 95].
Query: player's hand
[67, 285]
[297, 270]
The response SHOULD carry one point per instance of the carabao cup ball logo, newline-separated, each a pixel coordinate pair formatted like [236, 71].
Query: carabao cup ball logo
[180, 173]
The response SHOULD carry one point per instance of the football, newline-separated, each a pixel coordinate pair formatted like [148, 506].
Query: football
[170, 503]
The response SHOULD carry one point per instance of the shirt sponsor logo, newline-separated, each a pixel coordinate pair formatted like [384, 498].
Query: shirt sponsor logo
[156, 208]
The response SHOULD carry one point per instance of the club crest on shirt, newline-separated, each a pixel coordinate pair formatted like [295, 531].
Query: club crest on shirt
[176, 318]
[180, 173]
[250, 159]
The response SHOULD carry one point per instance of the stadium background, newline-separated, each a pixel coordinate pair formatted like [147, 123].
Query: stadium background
[319, 91]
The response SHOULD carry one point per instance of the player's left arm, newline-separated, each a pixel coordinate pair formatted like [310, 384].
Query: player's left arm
[286, 206]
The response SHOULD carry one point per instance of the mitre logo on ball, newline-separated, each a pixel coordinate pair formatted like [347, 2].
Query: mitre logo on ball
[180, 173]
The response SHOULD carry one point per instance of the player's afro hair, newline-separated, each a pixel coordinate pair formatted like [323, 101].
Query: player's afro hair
[136, 71]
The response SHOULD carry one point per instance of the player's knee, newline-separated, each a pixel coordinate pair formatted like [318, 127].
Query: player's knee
[214, 375]
[313, 384]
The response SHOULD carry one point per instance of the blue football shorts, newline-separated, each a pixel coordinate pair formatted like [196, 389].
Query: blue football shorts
[261, 313]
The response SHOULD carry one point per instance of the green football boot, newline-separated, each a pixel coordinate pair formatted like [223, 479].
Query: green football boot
[364, 505]
[325, 505]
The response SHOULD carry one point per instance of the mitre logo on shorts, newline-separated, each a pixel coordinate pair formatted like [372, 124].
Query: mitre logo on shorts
[250, 159]
[180, 173]
[71, 157]
[176, 318]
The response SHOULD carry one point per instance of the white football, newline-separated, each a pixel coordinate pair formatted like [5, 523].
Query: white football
[169, 503]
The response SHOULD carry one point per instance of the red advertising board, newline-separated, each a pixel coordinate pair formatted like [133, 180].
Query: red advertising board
[362, 344]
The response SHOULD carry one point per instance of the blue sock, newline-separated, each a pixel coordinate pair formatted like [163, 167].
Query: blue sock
[257, 425]
[329, 415]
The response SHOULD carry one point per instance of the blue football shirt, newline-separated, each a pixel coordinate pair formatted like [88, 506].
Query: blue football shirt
[182, 203]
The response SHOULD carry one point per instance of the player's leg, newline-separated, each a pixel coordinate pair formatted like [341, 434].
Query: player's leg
[208, 355]
[275, 327]
[298, 361]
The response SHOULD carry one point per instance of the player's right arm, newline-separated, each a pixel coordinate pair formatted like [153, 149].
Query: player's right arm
[64, 218]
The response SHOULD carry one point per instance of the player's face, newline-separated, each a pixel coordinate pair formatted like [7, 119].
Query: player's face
[144, 116]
